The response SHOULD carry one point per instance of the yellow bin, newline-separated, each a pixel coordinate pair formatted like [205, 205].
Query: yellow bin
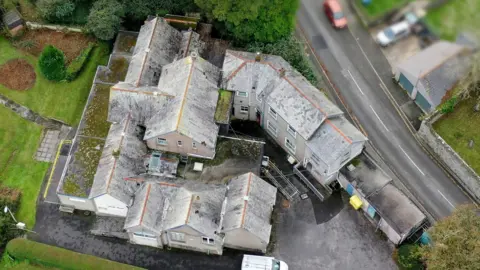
[356, 202]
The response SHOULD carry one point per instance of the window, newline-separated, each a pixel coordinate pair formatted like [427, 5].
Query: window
[290, 145]
[272, 128]
[161, 141]
[179, 143]
[315, 158]
[209, 241]
[143, 234]
[242, 94]
[175, 236]
[194, 145]
[272, 112]
[292, 131]
[243, 109]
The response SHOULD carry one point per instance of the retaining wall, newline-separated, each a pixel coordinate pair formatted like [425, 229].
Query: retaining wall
[465, 175]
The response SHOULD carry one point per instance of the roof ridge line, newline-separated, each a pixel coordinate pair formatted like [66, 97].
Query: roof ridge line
[185, 94]
[245, 202]
[189, 208]
[188, 44]
[145, 203]
[146, 53]
[119, 148]
[338, 130]
[161, 93]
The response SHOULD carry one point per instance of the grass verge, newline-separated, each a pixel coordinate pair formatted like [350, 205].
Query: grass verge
[458, 128]
[379, 8]
[63, 101]
[18, 169]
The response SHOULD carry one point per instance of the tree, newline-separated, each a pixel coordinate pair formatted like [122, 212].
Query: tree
[456, 241]
[52, 63]
[8, 231]
[260, 20]
[56, 10]
[140, 9]
[105, 18]
[408, 257]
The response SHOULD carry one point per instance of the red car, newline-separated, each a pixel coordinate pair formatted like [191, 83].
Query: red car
[334, 13]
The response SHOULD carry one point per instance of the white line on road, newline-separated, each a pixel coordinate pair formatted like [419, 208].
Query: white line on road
[411, 160]
[379, 118]
[355, 82]
[446, 198]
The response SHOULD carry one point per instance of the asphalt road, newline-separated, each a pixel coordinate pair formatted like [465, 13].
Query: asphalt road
[358, 69]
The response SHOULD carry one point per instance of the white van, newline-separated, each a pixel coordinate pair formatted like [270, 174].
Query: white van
[251, 262]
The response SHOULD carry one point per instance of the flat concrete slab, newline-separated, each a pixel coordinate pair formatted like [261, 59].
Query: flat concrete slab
[48, 147]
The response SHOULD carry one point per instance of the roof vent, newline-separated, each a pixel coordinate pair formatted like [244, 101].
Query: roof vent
[245, 198]
[282, 72]
[155, 93]
[258, 57]
[194, 55]
[198, 197]
[147, 50]
[196, 211]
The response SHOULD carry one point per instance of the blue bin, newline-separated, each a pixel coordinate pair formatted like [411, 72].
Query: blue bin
[366, 2]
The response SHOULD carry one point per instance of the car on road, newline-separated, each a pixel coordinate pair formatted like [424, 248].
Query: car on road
[393, 33]
[334, 13]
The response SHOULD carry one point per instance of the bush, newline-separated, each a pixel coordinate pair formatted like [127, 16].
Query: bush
[8, 197]
[449, 105]
[74, 69]
[105, 19]
[52, 63]
[291, 50]
[22, 249]
[56, 11]
[408, 257]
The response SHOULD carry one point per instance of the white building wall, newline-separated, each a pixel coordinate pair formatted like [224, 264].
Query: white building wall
[193, 241]
[244, 240]
[108, 206]
[77, 202]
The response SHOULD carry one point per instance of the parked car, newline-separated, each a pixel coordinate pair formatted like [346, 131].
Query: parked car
[393, 33]
[251, 262]
[334, 13]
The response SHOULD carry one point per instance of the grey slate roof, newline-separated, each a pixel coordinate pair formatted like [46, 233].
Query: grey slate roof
[193, 82]
[333, 138]
[198, 206]
[295, 99]
[437, 68]
[157, 45]
[190, 43]
[249, 206]
[122, 157]
[147, 208]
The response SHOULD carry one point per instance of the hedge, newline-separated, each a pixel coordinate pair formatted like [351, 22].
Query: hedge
[78, 63]
[22, 249]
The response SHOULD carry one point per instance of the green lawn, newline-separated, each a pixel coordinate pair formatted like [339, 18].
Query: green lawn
[454, 17]
[458, 128]
[380, 7]
[63, 101]
[18, 143]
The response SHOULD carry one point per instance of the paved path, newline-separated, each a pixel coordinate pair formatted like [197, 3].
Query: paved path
[359, 70]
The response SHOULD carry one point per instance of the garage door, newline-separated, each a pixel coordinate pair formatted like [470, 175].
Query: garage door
[405, 83]
[422, 102]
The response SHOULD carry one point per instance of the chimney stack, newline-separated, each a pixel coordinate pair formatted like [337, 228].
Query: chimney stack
[282, 72]
[258, 57]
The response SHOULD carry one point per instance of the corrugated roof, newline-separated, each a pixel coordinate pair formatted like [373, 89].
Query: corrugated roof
[250, 201]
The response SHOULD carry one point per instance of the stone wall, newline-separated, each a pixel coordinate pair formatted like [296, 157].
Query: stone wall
[34, 26]
[465, 175]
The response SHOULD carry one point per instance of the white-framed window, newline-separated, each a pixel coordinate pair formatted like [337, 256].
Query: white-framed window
[290, 145]
[242, 94]
[272, 112]
[194, 145]
[243, 109]
[144, 234]
[176, 236]
[208, 241]
[179, 143]
[162, 141]
[272, 128]
[292, 131]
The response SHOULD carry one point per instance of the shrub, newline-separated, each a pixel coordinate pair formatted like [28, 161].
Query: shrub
[22, 249]
[52, 63]
[291, 50]
[105, 18]
[408, 257]
[74, 69]
[8, 197]
[449, 105]
[56, 11]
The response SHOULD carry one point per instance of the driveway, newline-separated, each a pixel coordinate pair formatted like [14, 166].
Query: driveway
[72, 232]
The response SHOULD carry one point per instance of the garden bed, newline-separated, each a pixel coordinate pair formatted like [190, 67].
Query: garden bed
[458, 128]
[71, 44]
[17, 74]
[94, 123]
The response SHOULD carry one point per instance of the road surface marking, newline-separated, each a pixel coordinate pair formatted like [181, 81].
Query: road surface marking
[355, 82]
[411, 160]
[379, 118]
[446, 198]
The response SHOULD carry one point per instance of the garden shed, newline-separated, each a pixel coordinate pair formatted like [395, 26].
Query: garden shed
[13, 21]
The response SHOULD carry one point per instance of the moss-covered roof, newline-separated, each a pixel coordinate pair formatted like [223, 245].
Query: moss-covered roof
[94, 122]
[224, 105]
[116, 71]
[125, 42]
